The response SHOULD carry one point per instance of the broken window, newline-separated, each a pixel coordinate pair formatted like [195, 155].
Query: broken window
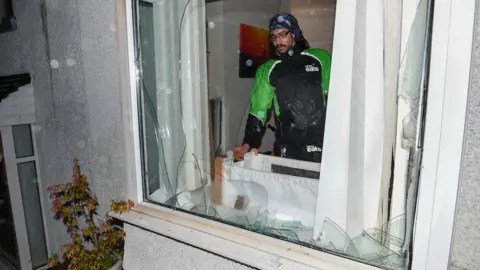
[196, 63]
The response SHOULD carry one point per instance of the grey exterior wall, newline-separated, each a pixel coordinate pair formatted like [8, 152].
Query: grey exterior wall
[77, 104]
[152, 251]
[465, 254]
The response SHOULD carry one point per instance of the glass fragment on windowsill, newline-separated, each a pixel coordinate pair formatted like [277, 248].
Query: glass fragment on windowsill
[375, 246]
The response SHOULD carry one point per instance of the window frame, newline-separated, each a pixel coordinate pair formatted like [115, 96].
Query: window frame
[444, 134]
[451, 57]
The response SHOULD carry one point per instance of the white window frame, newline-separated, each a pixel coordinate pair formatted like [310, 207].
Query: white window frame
[443, 148]
[449, 83]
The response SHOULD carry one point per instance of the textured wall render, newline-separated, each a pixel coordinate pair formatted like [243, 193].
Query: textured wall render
[146, 251]
[69, 48]
[465, 252]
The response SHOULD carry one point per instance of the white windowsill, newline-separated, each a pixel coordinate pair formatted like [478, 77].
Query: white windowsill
[241, 245]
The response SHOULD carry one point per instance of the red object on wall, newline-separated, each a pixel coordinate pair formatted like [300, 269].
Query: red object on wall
[255, 49]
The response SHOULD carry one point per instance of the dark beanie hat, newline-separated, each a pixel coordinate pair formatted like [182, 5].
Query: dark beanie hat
[286, 21]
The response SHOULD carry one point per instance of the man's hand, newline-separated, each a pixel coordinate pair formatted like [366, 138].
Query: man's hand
[240, 151]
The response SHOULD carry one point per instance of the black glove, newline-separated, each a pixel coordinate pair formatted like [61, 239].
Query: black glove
[254, 132]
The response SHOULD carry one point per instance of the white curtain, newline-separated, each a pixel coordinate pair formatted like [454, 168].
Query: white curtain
[178, 94]
[362, 122]
[168, 103]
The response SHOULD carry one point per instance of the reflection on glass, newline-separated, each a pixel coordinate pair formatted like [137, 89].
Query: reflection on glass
[410, 79]
[22, 138]
[33, 213]
[160, 95]
[176, 58]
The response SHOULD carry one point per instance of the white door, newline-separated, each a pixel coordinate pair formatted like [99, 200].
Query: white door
[19, 159]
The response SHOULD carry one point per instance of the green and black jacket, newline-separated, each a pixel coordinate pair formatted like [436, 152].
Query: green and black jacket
[297, 86]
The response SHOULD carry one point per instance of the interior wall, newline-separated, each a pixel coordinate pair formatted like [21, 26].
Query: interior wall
[317, 19]
[224, 19]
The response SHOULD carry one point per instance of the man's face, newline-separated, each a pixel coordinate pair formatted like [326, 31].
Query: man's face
[282, 40]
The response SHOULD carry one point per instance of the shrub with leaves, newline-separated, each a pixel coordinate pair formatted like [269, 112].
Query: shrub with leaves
[93, 246]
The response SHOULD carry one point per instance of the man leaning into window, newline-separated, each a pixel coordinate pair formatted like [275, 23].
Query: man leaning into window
[295, 82]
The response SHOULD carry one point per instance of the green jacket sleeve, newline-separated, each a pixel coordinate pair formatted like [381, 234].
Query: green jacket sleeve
[262, 93]
[262, 96]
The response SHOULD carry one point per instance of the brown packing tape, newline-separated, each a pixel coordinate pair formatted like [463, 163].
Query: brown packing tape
[217, 181]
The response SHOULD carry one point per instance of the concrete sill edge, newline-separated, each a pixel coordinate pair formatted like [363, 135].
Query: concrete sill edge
[249, 248]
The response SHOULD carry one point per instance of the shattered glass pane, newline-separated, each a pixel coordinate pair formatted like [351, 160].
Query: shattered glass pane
[411, 72]
[187, 56]
[333, 234]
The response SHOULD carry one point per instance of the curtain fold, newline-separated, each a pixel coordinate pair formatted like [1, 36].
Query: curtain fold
[365, 130]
